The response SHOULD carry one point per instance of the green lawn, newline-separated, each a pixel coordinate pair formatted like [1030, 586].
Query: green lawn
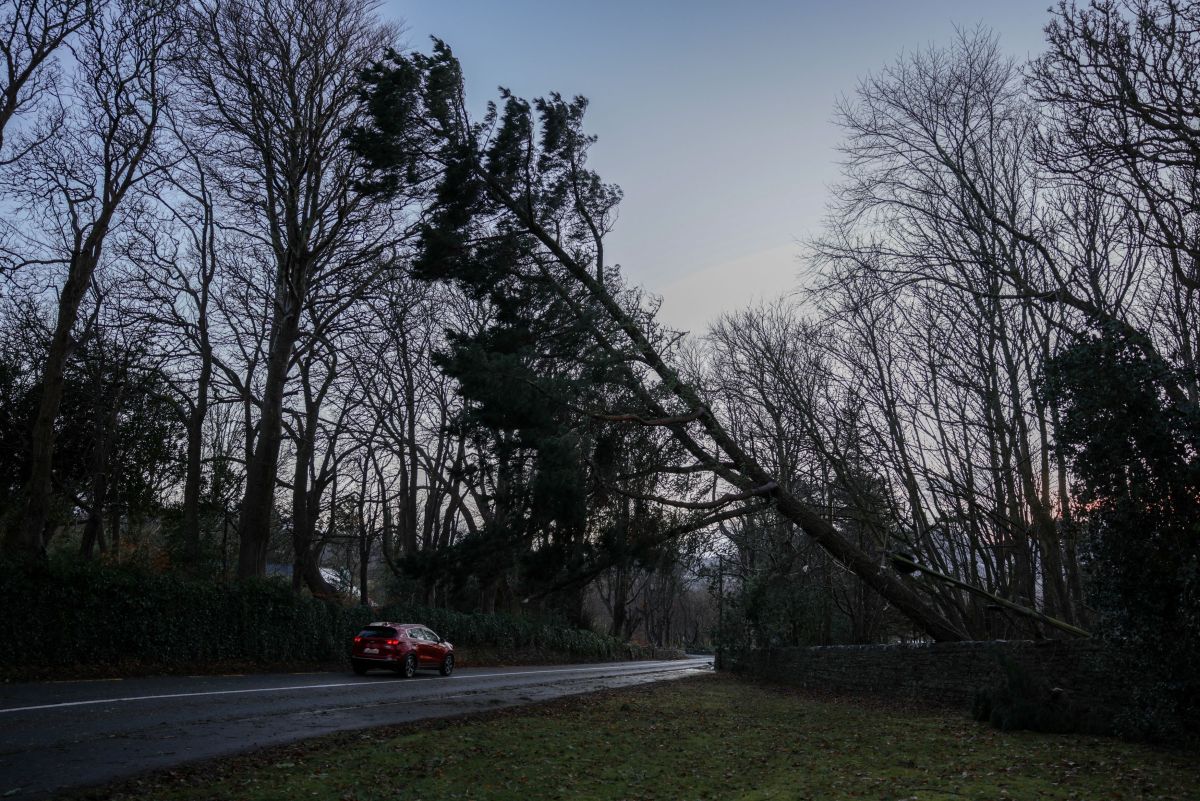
[711, 737]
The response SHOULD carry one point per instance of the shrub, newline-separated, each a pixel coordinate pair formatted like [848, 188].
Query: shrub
[65, 613]
[1019, 701]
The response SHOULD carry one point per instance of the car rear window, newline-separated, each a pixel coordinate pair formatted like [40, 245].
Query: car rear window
[386, 632]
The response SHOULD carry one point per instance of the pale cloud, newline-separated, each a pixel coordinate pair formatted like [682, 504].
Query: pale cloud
[696, 299]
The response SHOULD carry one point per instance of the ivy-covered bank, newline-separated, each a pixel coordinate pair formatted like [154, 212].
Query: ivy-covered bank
[91, 620]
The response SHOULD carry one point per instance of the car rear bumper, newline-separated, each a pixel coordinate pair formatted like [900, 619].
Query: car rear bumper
[380, 658]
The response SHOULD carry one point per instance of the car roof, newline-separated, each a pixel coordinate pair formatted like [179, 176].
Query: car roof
[400, 625]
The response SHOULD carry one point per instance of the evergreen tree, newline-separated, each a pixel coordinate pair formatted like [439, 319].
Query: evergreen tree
[538, 377]
[1136, 456]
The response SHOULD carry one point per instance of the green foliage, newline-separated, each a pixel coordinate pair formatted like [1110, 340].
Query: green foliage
[782, 609]
[115, 403]
[1134, 441]
[786, 592]
[66, 612]
[1020, 701]
[16, 415]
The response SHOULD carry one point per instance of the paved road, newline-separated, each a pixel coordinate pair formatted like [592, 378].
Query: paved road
[61, 735]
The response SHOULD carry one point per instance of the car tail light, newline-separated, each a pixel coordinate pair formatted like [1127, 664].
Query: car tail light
[393, 642]
[358, 639]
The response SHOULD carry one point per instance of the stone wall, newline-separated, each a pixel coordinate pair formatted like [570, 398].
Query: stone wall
[944, 673]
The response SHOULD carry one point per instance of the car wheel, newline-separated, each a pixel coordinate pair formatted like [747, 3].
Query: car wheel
[359, 668]
[447, 665]
[409, 668]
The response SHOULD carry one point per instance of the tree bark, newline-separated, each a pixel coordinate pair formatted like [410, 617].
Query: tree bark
[258, 502]
[29, 537]
[195, 435]
[195, 464]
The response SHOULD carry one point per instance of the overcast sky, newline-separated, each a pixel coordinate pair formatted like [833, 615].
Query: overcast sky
[713, 117]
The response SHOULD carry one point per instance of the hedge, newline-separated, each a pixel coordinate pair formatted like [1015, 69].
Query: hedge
[69, 613]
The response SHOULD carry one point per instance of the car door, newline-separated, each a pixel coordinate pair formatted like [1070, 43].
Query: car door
[424, 646]
[436, 649]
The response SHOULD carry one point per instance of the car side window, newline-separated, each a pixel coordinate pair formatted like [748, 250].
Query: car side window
[415, 634]
[429, 635]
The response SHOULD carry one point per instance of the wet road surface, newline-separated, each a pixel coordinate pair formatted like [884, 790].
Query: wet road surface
[61, 735]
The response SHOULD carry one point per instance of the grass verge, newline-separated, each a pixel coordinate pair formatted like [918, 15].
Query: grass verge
[712, 737]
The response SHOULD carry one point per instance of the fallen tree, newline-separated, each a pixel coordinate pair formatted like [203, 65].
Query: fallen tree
[516, 195]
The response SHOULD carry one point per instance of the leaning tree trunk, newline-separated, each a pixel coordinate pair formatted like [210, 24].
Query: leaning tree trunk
[749, 475]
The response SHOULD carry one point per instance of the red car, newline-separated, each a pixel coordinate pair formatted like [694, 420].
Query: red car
[402, 647]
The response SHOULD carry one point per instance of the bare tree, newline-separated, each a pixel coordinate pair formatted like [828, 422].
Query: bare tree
[175, 256]
[946, 225]
[320, 429]
[108, 147]
[275, 87]
[31, 34]
[1119, 89]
